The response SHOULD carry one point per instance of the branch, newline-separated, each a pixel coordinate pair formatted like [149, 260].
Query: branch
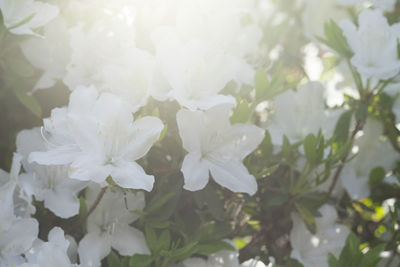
[91, 209]
[343, 160]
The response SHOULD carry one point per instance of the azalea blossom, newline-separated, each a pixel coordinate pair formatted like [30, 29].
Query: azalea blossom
[373, 151]
[97, 136]
[374, 44]
[116, 65]
[109, 226]
[216, 146]
[51, 253]
[47, 183]
[205, 47]
[312, 249]
[16, 233]
[50, 53]
[299, 113]
[23, 16]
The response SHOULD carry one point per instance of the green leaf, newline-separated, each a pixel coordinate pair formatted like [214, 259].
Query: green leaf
[213, 247]
[241, 113]
[261, 83]
[124, 262]
[184, 252]
[372, 257]
[267, 172]
[376, 176]
[113, 260]
[29, 102]
[164, 240]
[151, 239]
[332, 261]
[341, 133]
[335, 39]
[310, 148]
[307, 217]
[140, 260]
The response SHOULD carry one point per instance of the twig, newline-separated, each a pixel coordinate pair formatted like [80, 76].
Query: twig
[91, 209]
[343, 160]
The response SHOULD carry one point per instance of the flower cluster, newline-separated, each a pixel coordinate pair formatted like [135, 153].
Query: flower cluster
[194, 135]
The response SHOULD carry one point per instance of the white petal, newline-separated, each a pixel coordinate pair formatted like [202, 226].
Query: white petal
[19, 238]
[44, 13]
[195, 172]
[132, 175]
[92, 249]
[146, 131]
[58, 156]
[129, 241]
[241, 140]
[63, 203]
[191, 126]
[233, 175]
[86, 167]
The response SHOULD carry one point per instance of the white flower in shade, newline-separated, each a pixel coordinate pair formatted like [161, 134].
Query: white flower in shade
[205, 48]
[47, 183]
[51, 253]
[312, 250]
[50, 53]
[97, 136]
[16, 233]
[195, 78]
[116, 65]
[374, 44]
[22, 16]
[109, 226]
[299, 113]
[216, 146]
[373, 151]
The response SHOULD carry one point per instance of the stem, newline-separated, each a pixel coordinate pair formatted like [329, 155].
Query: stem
[91, 209]
[343, 160]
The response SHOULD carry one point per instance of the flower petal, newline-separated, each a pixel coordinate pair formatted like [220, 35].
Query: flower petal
[195, 172]
[233, 175]
[146, 131]
[131, 175]
[92, 249]
[129, 241]
[19, 238]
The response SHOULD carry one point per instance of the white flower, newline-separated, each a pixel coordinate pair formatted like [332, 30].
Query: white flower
[204, 49]
[16, 234]
[52, 253]
[373, 151]
[116, 65]
[98, 137]
[48, 183]
[297, 114]
[216, 146]
[22, 16]
[312, 250]
[374, 44]
[109, 226]
[50, 53]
